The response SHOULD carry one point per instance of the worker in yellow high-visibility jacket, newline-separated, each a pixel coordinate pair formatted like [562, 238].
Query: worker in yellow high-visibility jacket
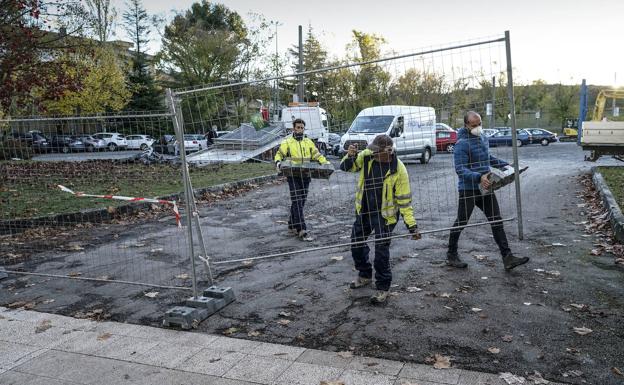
[383, 194]
[298, 148]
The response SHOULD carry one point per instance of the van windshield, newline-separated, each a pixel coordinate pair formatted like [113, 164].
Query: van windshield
[372, 124]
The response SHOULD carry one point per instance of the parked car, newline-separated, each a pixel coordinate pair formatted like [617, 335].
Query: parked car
[113, 140]
[34, 139]
[165, 144]
[333, 142]
[443, 127]
[191, 143]
[541, 136]
[91, 143]
[66, 144]
[503, 138]
[445, 139]
[489, 131]
[139, 142]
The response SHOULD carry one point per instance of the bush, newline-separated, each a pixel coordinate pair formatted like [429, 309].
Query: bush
[11, 148]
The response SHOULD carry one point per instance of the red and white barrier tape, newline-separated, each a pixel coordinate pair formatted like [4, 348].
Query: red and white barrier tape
[130, 199]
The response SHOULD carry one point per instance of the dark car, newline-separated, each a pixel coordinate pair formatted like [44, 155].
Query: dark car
[541, 136]
[503, 138]
[66, 144]
[446, 139]
[34, 139]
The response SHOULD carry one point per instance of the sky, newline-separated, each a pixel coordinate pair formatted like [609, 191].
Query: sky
[554, 40]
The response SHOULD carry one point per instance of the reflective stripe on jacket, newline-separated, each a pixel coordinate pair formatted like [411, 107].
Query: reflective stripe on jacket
[299, 151]
[396, 194]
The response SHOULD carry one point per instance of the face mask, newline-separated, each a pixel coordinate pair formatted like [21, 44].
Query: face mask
[476, 131]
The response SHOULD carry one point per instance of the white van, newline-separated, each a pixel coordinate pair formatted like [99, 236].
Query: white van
[315, 119]
[412, 129]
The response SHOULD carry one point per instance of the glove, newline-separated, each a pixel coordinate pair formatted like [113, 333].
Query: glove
[414, 231]
[278, 166]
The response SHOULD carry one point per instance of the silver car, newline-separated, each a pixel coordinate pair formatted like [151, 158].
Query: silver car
[92, 144]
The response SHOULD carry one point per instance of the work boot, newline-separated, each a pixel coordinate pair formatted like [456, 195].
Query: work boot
[452, 260]
[360, 282]
[379, 297]
[510, 261]
[304, 236]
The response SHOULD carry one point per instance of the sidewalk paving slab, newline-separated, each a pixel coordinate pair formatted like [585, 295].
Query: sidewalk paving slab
[37, 349]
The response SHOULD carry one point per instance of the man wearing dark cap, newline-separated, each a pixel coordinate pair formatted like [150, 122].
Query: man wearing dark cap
[383, 194]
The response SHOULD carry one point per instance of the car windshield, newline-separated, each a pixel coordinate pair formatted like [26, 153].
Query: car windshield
[372, 124]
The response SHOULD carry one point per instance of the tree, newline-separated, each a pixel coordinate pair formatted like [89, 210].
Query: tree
[203, 45]
[561, 102]
[145, 94]
[314, 57]
[102, 18]
[103, 89]
[372, 81]
[25, 40]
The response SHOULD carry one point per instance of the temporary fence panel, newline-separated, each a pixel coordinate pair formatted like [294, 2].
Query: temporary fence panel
[100, 200]
[416, 98]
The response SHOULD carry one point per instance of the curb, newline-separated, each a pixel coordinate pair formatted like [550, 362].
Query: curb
[16, 226]
[615, 213]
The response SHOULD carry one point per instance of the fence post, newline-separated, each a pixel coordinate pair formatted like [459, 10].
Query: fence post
[188, 193]
[512, 111]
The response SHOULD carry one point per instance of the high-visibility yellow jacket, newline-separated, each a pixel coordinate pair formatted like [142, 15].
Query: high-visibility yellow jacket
[299, 151]
[396, 193]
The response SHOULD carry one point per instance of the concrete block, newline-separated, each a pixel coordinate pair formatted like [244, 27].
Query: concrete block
[184, 317]
[208, 303]
[224, 293]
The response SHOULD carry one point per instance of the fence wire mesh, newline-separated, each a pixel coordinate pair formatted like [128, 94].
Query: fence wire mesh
[418, 99]
[116, 216]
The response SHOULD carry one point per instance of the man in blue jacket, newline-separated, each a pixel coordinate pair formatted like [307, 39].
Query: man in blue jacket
[472, 161]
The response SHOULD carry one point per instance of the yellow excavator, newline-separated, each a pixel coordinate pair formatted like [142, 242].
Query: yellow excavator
[601, 100]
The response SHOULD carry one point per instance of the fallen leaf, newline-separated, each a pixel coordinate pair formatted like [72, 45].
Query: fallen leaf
[577, 306]
[572, 373]
[480, 257]
[284, 322]
[595, 252]
[285, 314]
[332, 383]
[151, 294]
[345, 354]
[247, 263]
[74, 274]
[494, 350]
[582, 331]
[537, 379]
[75, 248]
[413, 289]
[476, 309]
[442, 362]
[104, 337]
[337, 258]
[43, 326]
[15, 305]
[230, 331]
[617, 371]
[156, 250]
[182, 276]
[507, 338]
[445, 295]
[254, 333]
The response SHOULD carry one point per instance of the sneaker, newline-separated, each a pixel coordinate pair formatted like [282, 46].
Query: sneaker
[511, 261]
[453, 260]
[360, 282]
[304, 236]
[379, 297]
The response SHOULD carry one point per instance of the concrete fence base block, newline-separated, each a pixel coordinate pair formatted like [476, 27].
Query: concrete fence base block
[210, 304]
[184, 317]
[226, 294]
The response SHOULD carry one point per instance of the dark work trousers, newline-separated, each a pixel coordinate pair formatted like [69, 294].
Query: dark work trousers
[468, 199]
[364, 225]
[298, 194]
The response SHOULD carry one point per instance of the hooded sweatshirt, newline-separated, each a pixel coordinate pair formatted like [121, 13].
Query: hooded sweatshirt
[472, 159]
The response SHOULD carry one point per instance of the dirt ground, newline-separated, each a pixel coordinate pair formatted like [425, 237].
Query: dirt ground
[527, 315]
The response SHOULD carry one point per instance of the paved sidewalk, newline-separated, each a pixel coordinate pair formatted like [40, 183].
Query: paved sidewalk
[47, 349]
